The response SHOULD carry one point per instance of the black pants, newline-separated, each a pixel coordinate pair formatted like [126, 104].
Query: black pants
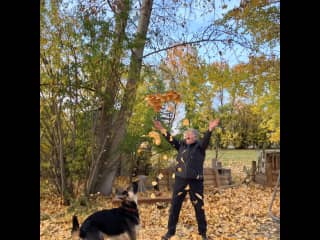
[196, 196]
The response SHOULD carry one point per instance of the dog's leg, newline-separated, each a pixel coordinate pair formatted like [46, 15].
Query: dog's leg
[94, 236]
[132, 234]
[75, 228]
[123, 236]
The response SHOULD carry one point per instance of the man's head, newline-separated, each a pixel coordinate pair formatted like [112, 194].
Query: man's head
[191, 135]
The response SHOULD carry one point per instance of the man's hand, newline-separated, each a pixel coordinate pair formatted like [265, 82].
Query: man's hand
[158, 125]
[213, 124]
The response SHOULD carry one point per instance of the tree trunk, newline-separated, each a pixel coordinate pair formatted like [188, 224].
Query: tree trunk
[120, 125]
[104, 128]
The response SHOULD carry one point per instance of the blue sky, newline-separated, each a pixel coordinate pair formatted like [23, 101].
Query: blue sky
[232, 55]
[196, 23]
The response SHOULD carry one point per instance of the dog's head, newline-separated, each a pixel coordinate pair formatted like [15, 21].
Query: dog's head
[130, 194]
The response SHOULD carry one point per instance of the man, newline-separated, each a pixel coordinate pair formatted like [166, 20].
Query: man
[188, 175]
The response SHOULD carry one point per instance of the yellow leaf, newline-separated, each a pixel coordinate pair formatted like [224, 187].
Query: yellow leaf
[164, 132]
[179, 169]
[185, 122]
[179, 193]
[154, 183]
[171, 139]
[160, 176]
[152, 195]
[155, 137]
[198, 195]
[157, 141]
[170, 108]
[173, 175]
[165, 157]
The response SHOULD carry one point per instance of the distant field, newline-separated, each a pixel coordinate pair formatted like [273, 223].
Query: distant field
[235, 160]
[229, 157]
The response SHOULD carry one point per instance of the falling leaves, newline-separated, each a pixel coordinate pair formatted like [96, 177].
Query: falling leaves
[156, 101]
[164, 131]
[185, 122]
[155, 137]
[233, 214]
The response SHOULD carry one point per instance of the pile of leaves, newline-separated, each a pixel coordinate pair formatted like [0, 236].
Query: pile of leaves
[232, 214]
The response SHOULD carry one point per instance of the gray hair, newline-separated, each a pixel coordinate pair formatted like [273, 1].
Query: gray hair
[194, 131]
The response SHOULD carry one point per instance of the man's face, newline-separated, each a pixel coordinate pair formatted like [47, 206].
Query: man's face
[190, 137]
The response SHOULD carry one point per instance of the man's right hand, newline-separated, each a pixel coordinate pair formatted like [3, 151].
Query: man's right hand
[158, 125]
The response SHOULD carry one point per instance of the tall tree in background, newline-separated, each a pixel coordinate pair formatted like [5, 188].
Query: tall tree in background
[111, 162]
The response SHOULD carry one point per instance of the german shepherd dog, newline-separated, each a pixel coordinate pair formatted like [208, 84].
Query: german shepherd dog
[117, 223]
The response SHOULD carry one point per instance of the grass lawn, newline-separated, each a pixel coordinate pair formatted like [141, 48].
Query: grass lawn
[234, 159]
[229, 157]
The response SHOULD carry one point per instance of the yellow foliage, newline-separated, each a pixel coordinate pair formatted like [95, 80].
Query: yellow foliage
[156, 101]
[155, 137]
[185, 122]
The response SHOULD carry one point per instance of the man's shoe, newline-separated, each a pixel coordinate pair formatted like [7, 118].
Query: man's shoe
[167, 236]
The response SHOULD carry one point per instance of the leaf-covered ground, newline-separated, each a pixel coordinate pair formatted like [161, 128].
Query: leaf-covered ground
[234, 213]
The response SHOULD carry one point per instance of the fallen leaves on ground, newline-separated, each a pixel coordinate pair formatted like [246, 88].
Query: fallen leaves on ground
[232, 214]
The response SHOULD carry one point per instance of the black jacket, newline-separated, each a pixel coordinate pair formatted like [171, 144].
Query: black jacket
[190, 157]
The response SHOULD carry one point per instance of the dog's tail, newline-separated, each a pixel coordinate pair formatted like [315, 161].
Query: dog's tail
[75, 228]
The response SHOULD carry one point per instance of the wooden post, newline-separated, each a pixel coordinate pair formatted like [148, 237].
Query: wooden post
[253, 170]
[216, 172]
[219, 165]
[214, 163]
[269, 170]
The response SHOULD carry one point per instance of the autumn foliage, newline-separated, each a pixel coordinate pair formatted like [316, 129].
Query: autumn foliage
[156, 101]
[232, 214]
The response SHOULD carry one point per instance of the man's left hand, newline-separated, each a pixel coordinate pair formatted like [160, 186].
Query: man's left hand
[213, 124]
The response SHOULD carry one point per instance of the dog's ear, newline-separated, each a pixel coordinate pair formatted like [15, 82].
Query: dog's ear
[135, 187]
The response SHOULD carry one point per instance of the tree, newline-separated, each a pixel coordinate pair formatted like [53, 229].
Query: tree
[92, 56]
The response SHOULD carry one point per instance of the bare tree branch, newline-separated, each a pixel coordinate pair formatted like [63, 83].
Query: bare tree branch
[183, 44]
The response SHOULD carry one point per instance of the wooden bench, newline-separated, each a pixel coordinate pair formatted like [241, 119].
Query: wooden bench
[146, 200]
[213, 177]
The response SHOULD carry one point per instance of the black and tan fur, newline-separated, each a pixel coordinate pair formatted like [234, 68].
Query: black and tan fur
[116, 224]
